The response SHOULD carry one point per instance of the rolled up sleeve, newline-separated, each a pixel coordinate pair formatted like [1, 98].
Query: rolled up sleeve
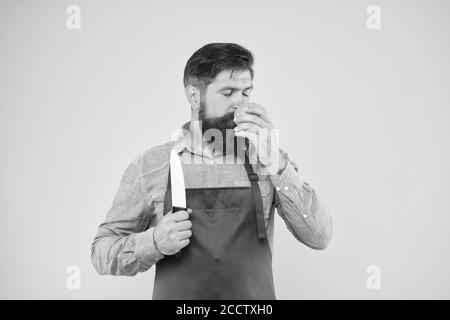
[123, 246]
[298, 204]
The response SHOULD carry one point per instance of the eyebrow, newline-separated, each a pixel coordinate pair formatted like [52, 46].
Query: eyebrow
[234, 88]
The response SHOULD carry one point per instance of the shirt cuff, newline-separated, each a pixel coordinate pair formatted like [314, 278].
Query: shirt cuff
[145, 249]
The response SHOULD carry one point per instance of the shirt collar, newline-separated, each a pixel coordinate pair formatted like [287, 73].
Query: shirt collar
[184, 143]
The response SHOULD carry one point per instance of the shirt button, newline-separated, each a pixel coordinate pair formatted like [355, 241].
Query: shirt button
[277, 188]
[305, 216]
[286, 188]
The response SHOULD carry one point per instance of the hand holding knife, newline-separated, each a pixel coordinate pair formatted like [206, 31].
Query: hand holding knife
[174, 229]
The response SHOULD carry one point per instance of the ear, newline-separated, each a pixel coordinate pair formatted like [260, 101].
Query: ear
[193, 96]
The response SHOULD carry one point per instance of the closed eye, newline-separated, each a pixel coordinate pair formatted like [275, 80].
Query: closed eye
[229, 93]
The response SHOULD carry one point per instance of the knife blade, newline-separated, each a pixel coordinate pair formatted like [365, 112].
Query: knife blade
[177, 183]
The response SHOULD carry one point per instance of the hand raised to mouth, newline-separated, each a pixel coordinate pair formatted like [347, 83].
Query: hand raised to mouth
[253, 122]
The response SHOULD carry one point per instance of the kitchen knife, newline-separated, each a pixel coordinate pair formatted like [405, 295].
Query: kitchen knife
[177, 183]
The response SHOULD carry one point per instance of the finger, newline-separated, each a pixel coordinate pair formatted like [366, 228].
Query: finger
[258, 110]
[247, 126]
[179, 216]
[171, 211]
[183, 243]
[184, 234]
[183, 225]
[264, 134]
[246, 117]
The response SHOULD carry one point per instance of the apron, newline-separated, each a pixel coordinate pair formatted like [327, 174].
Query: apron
[228, 256]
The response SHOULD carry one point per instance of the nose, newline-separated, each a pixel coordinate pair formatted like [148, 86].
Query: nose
[239, 98]
[235, 107]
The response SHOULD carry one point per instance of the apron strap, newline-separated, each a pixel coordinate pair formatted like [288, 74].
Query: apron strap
[259, 209]
[167, 196]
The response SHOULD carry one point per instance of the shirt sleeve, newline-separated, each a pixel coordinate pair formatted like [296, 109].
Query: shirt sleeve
[123, 246]
[305, 214]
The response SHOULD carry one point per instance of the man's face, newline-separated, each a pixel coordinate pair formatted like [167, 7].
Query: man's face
[229, 89]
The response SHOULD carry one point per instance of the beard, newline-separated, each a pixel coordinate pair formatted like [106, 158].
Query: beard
[220, 123]
[225, 125]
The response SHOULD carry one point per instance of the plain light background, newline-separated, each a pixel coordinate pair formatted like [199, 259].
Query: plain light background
[364, 113]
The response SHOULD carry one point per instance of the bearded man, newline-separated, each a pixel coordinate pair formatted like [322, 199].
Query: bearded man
[236, 177]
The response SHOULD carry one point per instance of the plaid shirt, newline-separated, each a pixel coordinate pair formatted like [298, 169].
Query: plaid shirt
[124, 244]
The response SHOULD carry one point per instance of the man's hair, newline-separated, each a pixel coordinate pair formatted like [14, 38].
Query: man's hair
[208, 61]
